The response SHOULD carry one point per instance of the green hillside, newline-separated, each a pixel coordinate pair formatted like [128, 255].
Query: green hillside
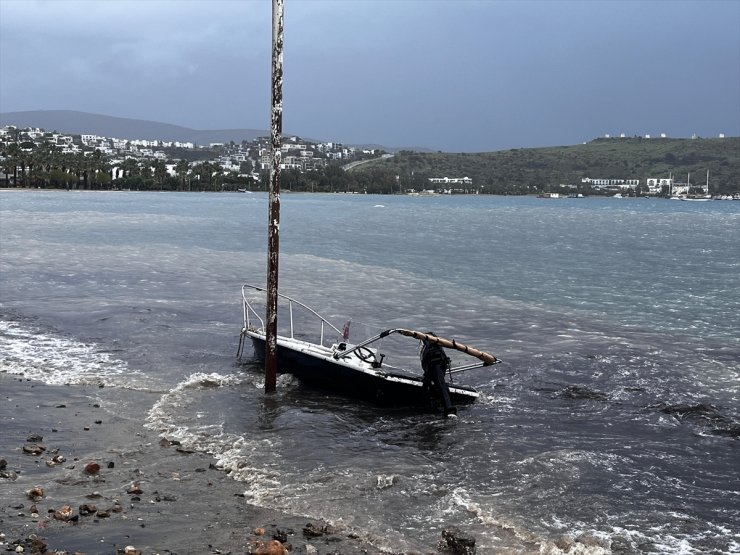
[529, 170]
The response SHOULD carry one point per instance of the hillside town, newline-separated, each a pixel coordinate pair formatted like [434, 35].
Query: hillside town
[31, 154]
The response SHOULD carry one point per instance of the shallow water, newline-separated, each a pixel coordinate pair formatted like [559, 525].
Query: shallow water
[614, 417]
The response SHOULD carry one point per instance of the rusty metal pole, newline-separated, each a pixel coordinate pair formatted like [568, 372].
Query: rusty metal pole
[273, 225]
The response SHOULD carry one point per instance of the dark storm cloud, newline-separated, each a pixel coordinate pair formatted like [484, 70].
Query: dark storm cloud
[451, 75]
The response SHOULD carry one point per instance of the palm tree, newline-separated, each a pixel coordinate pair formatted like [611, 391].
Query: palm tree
[10, 163]
[181, 168]
[130, 167]
[99, 168]
[217, 175]
[160, 173]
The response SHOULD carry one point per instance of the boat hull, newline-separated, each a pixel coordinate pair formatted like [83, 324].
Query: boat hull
[376, 386]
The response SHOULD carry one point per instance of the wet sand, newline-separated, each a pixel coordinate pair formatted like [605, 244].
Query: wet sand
[140, 491]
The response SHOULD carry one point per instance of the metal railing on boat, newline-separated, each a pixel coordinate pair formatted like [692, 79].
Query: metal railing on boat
[249, 309]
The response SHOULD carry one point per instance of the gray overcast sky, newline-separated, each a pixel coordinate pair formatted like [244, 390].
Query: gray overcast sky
[452, 75]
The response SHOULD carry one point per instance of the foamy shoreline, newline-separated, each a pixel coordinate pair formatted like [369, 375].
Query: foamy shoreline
[147, 493]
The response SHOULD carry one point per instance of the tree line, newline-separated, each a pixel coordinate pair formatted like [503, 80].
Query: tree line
[30, 165]
[516, 171]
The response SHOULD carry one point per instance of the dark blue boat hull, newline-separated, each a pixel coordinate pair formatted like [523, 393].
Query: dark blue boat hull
[389, 389]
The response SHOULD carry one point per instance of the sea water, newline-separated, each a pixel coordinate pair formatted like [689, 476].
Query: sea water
[611, 425]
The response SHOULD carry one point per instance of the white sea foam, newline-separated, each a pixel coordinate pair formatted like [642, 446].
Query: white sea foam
[488, 517]
[162, 416]
[232, 452]
[57, 360]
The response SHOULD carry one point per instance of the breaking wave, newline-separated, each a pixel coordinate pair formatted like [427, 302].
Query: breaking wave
[57, 360]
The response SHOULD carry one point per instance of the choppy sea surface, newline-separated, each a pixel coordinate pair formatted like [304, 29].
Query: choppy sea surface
[613, 424]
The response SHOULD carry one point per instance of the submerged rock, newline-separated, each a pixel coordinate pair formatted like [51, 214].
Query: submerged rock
[32, 544]
[33, 449]
[35, 493]
[313, 530]
[88, 509]
[272, 547]
[92, 468]
[456, 542]
[281, 535]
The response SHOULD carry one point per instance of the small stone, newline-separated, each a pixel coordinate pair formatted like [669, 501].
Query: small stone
[111, 464]
[34, 448]
[19, 549]
[259, 531]
[131, 550]
[92, 468]
[35, 493]
[88, 509]
[134, 489]
[313, 530]
[34, 438]
[63, 514]
[272, 547]
[3, 464]
[103, 514]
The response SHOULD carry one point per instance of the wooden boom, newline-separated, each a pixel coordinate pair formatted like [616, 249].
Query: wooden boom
[487, 358]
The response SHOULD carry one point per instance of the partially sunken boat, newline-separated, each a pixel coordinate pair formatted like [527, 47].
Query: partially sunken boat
[324, 357]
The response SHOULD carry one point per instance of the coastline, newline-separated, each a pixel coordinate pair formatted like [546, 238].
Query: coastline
[126, 487]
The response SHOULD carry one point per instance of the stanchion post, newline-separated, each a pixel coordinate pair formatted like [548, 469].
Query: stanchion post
[273, 226]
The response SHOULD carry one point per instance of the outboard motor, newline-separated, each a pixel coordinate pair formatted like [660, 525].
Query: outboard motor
[435, 363]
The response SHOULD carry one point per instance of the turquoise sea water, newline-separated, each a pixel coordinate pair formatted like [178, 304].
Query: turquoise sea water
[614, 417]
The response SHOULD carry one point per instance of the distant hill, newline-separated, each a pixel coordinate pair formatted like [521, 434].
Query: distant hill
[533, 169]
[76, 123]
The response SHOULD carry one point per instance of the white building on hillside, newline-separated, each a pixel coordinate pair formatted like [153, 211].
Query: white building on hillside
[621, 184]
[655, 185]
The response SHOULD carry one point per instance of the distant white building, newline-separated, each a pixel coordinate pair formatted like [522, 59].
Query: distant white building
[655, 185]
[621, 184]
[451, 180]
[90, 140]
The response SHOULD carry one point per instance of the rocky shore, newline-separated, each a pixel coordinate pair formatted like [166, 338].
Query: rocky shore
[75, 478]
